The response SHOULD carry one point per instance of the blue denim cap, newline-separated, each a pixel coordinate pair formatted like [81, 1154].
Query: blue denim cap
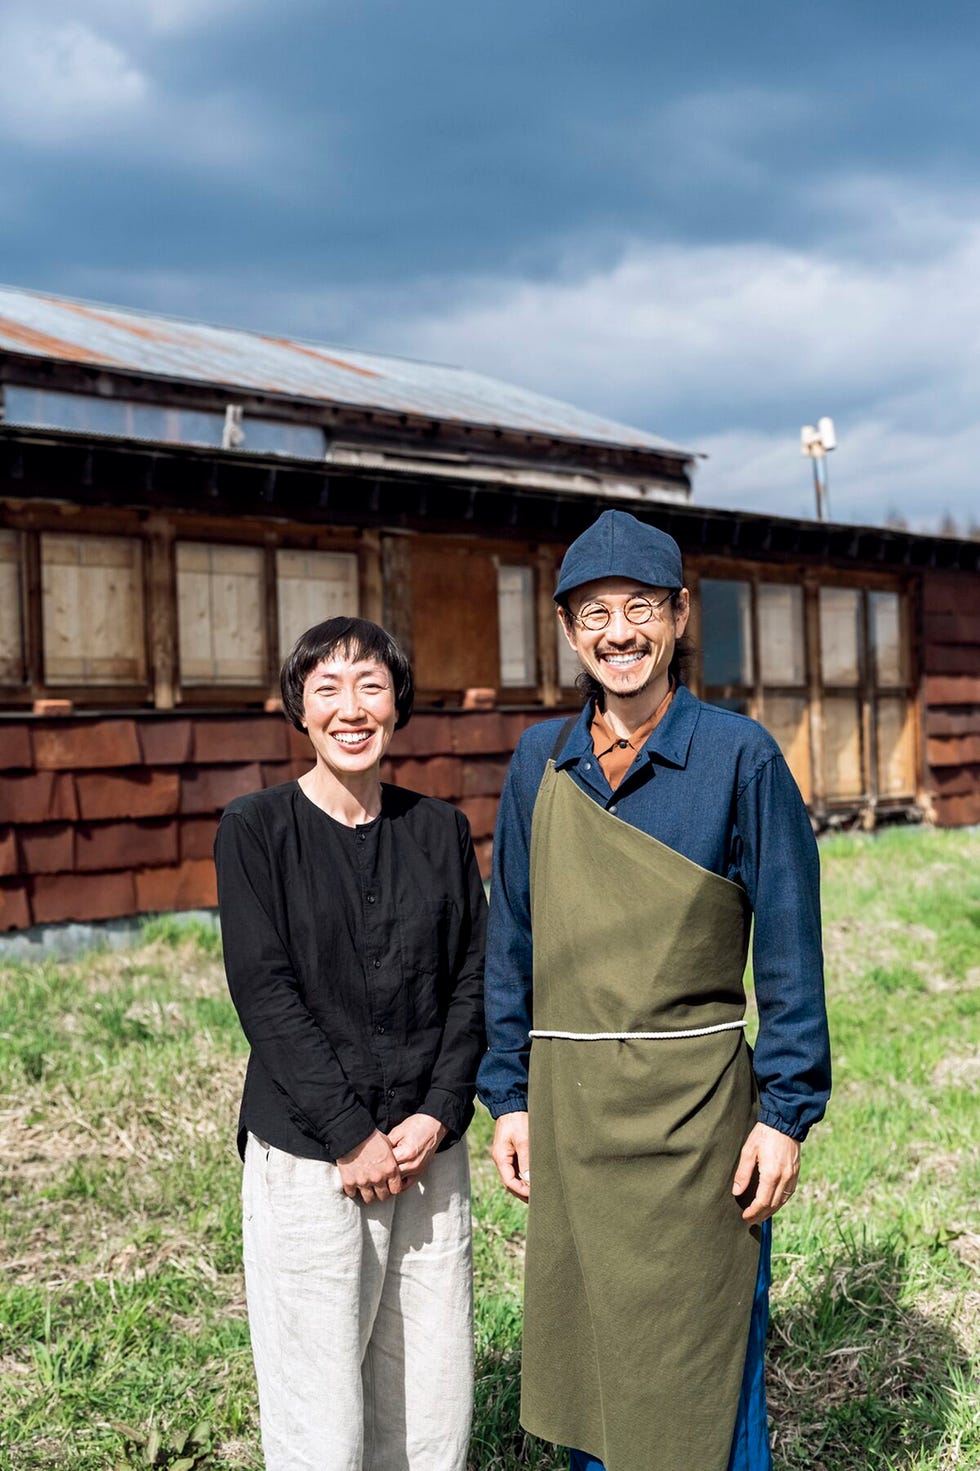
[618, 545]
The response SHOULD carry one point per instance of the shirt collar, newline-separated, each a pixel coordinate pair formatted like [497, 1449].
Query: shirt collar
[670, 741]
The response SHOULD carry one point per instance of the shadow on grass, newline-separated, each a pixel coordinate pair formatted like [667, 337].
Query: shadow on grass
[857, 1378]
[498, 1442]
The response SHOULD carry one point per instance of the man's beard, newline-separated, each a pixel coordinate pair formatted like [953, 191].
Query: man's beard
[629, 694]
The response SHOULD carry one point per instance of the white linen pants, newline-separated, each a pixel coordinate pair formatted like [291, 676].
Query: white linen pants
[361, 1316]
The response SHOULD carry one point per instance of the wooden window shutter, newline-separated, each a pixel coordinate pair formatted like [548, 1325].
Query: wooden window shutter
[92, 609]
[221, 614]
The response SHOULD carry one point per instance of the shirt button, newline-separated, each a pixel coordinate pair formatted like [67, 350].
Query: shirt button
[380, 1030]
[371, 898]
[586, 765]
[362, 837]
[391, 1092]
[623, 745]
[377, 965]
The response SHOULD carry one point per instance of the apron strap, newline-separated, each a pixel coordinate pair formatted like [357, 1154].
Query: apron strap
[566, 730]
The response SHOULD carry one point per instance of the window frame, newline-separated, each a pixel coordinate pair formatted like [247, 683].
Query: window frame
[867, 693]
[158, 534]
[526, 689]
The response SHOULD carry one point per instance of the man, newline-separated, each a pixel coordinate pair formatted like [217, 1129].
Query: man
[634, 846]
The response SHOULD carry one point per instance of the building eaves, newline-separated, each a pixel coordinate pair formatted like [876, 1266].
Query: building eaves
[164, 348]
[89, 470]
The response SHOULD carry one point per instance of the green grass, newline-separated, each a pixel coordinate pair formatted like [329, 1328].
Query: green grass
[123, 1339]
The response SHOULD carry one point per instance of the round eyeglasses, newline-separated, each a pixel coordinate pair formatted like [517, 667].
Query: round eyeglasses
[596, 616]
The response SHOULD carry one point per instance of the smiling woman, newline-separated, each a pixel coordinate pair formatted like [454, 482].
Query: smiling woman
[353, 923]
[348, 685]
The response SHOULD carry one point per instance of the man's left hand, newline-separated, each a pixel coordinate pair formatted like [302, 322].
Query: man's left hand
[414, 1141]
[772, 1160]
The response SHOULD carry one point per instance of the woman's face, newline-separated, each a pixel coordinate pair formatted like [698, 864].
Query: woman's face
[349, 713]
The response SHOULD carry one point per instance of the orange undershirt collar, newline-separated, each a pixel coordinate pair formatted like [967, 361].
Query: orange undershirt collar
[616, 755]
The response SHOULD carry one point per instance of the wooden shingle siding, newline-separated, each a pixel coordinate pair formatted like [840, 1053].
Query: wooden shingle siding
[116, 816]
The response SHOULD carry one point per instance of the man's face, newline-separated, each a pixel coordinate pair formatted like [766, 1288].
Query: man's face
[625, 658]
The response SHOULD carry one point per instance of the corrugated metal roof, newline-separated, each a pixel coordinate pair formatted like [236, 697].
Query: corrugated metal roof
[193, 352]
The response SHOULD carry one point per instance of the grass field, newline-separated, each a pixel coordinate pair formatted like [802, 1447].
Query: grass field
[123, 1339]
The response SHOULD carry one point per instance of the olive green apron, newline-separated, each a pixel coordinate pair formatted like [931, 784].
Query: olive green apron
[640, 1270]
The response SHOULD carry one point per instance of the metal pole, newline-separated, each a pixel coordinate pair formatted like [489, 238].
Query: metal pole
[826, 491]
[817, 487]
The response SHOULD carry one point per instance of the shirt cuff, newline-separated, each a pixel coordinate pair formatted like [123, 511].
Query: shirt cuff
[449, 1108]
[774, 1121]
[345, 1133]
[513, 1103]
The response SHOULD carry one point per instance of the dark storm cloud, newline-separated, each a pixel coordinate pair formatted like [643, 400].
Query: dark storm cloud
[710, 214]
[383, 140]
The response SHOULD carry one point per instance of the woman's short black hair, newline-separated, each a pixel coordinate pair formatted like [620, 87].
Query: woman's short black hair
[354, 639]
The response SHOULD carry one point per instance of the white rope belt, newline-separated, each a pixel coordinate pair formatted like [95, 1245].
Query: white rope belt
[639, 1036]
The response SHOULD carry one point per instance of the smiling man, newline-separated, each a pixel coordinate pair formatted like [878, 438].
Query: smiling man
[634, 846]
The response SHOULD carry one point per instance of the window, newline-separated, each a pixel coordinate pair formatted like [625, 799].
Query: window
[11, 618]
[782, 668]
[163, 423]
[840, 610]
[888, 644]
[761, 671]
[221, 614]
[121, 418]
[92, 609]
[895, 745]
[840, 675]
[276, 437]
[236, 613]
[754, 659]
[311, 587]
[726, 615]
[781, 642]
[515, 612]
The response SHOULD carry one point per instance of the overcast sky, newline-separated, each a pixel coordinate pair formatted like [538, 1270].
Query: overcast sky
[713, 221]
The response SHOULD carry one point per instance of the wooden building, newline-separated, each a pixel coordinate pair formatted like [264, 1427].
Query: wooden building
[178, 502]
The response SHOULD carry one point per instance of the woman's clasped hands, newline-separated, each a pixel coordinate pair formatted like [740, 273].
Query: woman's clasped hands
[383, 1165]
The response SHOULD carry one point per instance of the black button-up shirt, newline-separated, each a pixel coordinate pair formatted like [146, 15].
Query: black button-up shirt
[354, 957]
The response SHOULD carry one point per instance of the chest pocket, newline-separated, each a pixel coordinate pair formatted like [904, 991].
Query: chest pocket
[423, 936]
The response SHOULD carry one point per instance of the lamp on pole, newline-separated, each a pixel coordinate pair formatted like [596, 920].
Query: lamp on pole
[817, 443]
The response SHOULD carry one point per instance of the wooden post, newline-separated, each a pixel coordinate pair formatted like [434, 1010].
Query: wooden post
[162, 619]
[869, 714]
[549, 690]
[912, 625]
[695, 680]
[757, 703]
[396, 570]
[811, 617]
[271, 589]
[371, 577]
[33, 633]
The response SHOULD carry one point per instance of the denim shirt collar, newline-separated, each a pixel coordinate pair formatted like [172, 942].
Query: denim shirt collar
[669, 742]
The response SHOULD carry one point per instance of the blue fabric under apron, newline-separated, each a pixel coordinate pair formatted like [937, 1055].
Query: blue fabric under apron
[750, 1442]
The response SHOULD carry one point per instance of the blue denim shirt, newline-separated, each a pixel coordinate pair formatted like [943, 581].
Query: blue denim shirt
[713, 786]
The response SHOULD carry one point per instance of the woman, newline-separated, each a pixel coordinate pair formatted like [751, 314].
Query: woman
[353, 921]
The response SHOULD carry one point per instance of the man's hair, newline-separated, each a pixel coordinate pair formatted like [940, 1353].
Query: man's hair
[353, 639]
[681, 659]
